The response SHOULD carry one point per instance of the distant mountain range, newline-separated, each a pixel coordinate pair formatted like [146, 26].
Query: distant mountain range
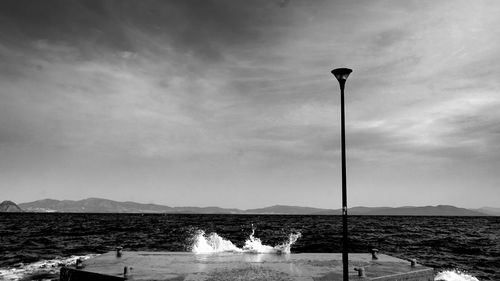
[489, 211]
[98, 205]
[440, 210]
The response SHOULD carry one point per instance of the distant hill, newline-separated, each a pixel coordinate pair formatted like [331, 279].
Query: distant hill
[92, 205]
[205, 210]
[9, 206]
[283, 209]
[489, 211]
[97, 205]
[440, 210]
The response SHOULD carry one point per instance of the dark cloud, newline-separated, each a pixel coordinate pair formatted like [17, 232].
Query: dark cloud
[205, 29]
[67, 22]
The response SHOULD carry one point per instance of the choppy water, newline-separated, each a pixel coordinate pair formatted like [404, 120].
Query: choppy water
[463, 248]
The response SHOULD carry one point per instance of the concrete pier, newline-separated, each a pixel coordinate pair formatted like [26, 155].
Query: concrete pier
[180, 266]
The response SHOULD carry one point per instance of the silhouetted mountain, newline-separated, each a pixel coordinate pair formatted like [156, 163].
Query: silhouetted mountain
[206, 210]
[92, 205]
[9, 206]
[283, 209]
[489, 211]
[97, 205]
[440, 210]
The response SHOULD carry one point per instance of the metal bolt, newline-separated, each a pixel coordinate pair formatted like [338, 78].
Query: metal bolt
[375, 254]
[118, 252]
[361, 271]
[79, 264]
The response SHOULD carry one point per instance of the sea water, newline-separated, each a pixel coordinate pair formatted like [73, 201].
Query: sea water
[460, 248]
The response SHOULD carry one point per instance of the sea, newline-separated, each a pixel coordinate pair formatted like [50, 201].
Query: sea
[33, 246]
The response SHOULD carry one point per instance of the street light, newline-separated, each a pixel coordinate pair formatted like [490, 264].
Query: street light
[341, 74]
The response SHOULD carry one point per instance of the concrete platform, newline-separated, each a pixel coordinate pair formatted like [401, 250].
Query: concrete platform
[244, 266]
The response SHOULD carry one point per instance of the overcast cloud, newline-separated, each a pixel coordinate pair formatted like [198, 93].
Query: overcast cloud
[231, 103]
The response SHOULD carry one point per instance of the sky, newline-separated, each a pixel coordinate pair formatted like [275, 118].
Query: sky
[231, 103]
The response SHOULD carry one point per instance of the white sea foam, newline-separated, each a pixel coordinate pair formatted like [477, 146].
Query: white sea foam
[21, 271]
[454, 275]
[213, 243]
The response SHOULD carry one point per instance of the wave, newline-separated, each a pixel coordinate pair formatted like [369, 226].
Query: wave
[40, 270]
[214, 243]
[454, 275]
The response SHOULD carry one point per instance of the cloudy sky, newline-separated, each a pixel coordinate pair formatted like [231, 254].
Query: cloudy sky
[231, 102]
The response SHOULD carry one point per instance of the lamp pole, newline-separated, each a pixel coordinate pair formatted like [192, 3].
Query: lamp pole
[341, 74]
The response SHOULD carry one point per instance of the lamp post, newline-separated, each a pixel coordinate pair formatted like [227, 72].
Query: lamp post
[341, 74]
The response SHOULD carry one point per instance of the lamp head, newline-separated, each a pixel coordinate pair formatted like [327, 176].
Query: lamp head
[341, 74]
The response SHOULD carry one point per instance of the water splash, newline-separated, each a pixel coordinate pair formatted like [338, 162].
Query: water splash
[213, 243]
[454, 275]
[44, 269]
[254, 245]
